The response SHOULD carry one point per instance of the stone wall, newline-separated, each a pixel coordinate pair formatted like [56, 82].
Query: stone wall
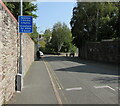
[28, 52]
[107, 51]
[9, 53]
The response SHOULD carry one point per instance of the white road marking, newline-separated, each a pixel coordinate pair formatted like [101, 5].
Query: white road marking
[70, 89]
[111, 88]
[100, 86]
[106, 86]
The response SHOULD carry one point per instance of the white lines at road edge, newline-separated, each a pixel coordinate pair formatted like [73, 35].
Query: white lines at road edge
[106, 86]
[69, 89]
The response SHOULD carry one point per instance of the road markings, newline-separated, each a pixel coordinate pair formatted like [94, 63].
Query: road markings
[54, 87]
[71, 89]
[56, 79]
[106, 86]
[100, 86]
[111, 88]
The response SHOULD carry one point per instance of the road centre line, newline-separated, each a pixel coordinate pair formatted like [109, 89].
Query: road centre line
[106, 86]
[70, 89]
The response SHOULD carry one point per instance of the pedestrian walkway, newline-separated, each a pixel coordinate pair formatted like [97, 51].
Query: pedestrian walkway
[37, 87]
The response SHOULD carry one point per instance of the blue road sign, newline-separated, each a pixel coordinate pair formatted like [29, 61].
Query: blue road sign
[25, 24]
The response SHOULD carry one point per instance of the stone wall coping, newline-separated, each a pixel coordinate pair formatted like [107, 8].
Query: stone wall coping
[5, 7]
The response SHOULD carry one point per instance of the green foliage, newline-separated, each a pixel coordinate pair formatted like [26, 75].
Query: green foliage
[47, 35]
[42, 43]
[94, 22]
[73, 49]
[61, 37]
[28, 8]
[58, 40]
[35, 34]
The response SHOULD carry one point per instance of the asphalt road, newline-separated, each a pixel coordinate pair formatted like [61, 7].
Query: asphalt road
[83, 82]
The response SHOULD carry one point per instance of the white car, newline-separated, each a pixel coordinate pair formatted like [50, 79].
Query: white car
[41, 54]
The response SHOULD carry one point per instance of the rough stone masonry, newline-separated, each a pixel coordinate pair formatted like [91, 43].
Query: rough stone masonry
[9, 53]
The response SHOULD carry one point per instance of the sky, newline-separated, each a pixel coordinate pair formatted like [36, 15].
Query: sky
[50, 13]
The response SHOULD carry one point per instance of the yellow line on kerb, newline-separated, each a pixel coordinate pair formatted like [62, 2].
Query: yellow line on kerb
[58, 83]
[53, 85]
[56, 79]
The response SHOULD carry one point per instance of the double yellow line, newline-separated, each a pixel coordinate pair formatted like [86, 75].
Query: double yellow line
[53, 78]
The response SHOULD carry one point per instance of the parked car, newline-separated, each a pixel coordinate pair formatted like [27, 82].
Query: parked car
[41, 54]
[72, 54]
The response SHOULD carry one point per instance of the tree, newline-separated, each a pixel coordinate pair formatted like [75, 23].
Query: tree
[93, 22]
[47, 35]
[35, 34]
[28, 8]
[60, 36]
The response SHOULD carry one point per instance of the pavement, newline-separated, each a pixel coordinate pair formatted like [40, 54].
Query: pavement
[37, 87]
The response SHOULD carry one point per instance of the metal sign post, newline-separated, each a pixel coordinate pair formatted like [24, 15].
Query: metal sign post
[21, 13]
[19, 77]
[25, 26]
[21, 57]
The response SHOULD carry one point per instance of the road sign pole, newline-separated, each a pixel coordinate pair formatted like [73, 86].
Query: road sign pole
[25, 26]
[21, 57]
[21, 13]
[21, 7]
